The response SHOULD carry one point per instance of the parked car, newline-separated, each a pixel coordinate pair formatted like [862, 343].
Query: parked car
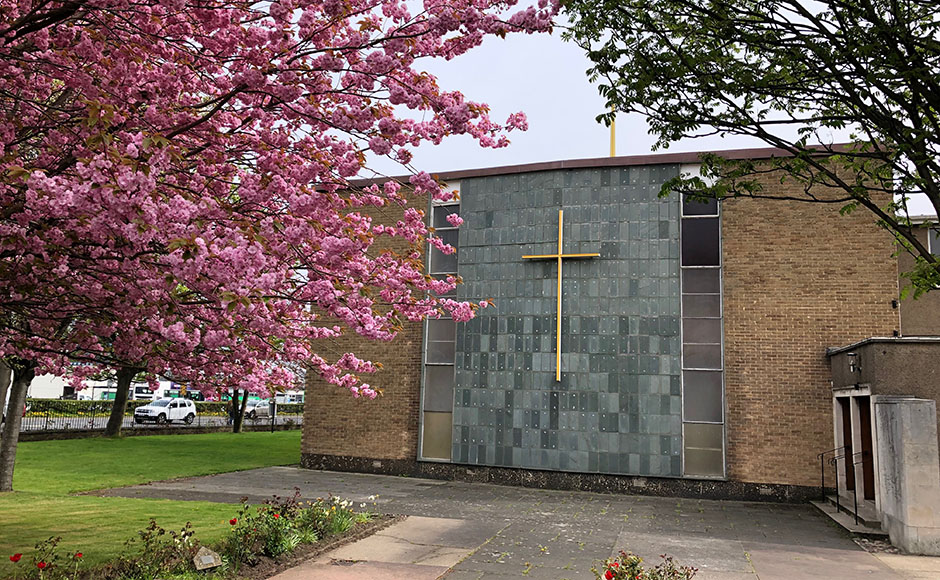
[258, 409]
[166, 411]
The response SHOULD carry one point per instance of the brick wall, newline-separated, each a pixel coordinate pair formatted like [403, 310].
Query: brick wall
[385, 428]
[920, 317]
[798, 278]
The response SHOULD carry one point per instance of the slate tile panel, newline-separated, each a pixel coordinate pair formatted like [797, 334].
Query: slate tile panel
[617, 408]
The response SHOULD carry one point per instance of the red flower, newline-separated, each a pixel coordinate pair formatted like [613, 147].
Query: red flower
[609, 575]
[78, 555]
[16, 557]
[41, 565]
[233, 521]
[615, 564]
[277, 516]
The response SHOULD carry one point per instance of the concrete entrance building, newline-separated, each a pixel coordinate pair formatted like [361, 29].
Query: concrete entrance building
[636, 342]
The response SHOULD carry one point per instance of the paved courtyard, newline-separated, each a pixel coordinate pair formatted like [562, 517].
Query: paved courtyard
[488, 532]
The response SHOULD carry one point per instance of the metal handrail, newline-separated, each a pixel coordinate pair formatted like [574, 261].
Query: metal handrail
[865, 455]
[822, 471]
[834, 461]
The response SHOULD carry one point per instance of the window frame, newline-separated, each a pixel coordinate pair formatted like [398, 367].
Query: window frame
[426, 342]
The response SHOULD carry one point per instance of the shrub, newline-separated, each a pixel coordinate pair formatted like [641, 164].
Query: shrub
[280, 525]
[159, 552]
[630, 567]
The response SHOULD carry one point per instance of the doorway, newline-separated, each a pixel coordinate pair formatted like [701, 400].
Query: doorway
[867, 456]
[845, 406]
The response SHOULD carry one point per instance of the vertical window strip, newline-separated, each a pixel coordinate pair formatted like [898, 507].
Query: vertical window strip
[702, 345]
[440, 336]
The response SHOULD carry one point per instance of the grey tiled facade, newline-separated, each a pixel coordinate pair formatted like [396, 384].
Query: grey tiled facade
[617, 408]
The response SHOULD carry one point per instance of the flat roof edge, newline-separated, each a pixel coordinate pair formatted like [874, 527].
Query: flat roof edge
[622, 161]
[830, 351]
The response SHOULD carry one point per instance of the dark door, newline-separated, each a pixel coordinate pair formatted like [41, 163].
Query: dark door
[867, 457]
[845, 405]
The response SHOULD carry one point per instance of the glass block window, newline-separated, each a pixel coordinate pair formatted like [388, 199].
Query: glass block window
[703, 401]
[440, 339]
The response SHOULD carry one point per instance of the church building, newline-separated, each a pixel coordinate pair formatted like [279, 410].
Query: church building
[636, 343]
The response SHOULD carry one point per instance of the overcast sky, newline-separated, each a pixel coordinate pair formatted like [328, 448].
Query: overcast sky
[544, 77]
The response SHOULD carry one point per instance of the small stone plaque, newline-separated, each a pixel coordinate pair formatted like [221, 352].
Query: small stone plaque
[206, 558]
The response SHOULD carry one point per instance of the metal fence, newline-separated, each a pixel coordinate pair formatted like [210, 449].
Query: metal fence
[71, 415]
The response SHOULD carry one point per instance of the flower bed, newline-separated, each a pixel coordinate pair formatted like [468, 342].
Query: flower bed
[260, 538]
[630, 567]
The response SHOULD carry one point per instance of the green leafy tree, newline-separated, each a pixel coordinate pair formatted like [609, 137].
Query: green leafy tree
[790, 73]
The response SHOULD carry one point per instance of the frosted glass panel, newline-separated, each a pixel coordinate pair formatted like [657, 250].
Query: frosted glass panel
[704, 462]
[701, 356]
[441, 352]
[703, 436]
[437, 435]
[701, 330]
[702, 396]
[442, 329]
[443, 263]
[701, 306]
[701, 281]
[439, 388]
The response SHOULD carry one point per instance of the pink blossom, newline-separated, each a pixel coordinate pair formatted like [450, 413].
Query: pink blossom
[177, 188]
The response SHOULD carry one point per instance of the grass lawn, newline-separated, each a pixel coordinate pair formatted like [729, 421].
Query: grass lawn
[48, 471]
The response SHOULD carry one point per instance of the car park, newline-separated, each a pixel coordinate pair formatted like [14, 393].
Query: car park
[166, 411]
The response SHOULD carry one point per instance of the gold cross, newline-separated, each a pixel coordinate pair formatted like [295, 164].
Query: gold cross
[559, 256]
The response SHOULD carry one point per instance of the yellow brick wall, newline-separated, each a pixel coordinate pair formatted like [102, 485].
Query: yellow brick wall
[384, 428]
[798, 278]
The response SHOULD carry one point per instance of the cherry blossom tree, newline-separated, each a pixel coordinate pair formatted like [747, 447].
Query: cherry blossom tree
[174, 190]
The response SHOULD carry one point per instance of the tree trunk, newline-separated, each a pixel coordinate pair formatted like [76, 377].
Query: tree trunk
[239, 407]
[5, 374]
[124, 377]
[23, 373]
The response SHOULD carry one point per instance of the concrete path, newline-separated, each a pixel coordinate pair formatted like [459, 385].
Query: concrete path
[487, 532]
[418, 548]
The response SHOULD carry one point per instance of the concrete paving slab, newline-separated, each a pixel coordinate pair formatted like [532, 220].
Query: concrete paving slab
[420, 540]
[783, 563]
[388, 549]
[707, 554]
[712, 575]
[340, 570]
[912, 567]
[444, 531]
[464, 575]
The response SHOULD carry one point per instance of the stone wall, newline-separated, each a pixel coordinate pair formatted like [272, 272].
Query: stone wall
[909, 473]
